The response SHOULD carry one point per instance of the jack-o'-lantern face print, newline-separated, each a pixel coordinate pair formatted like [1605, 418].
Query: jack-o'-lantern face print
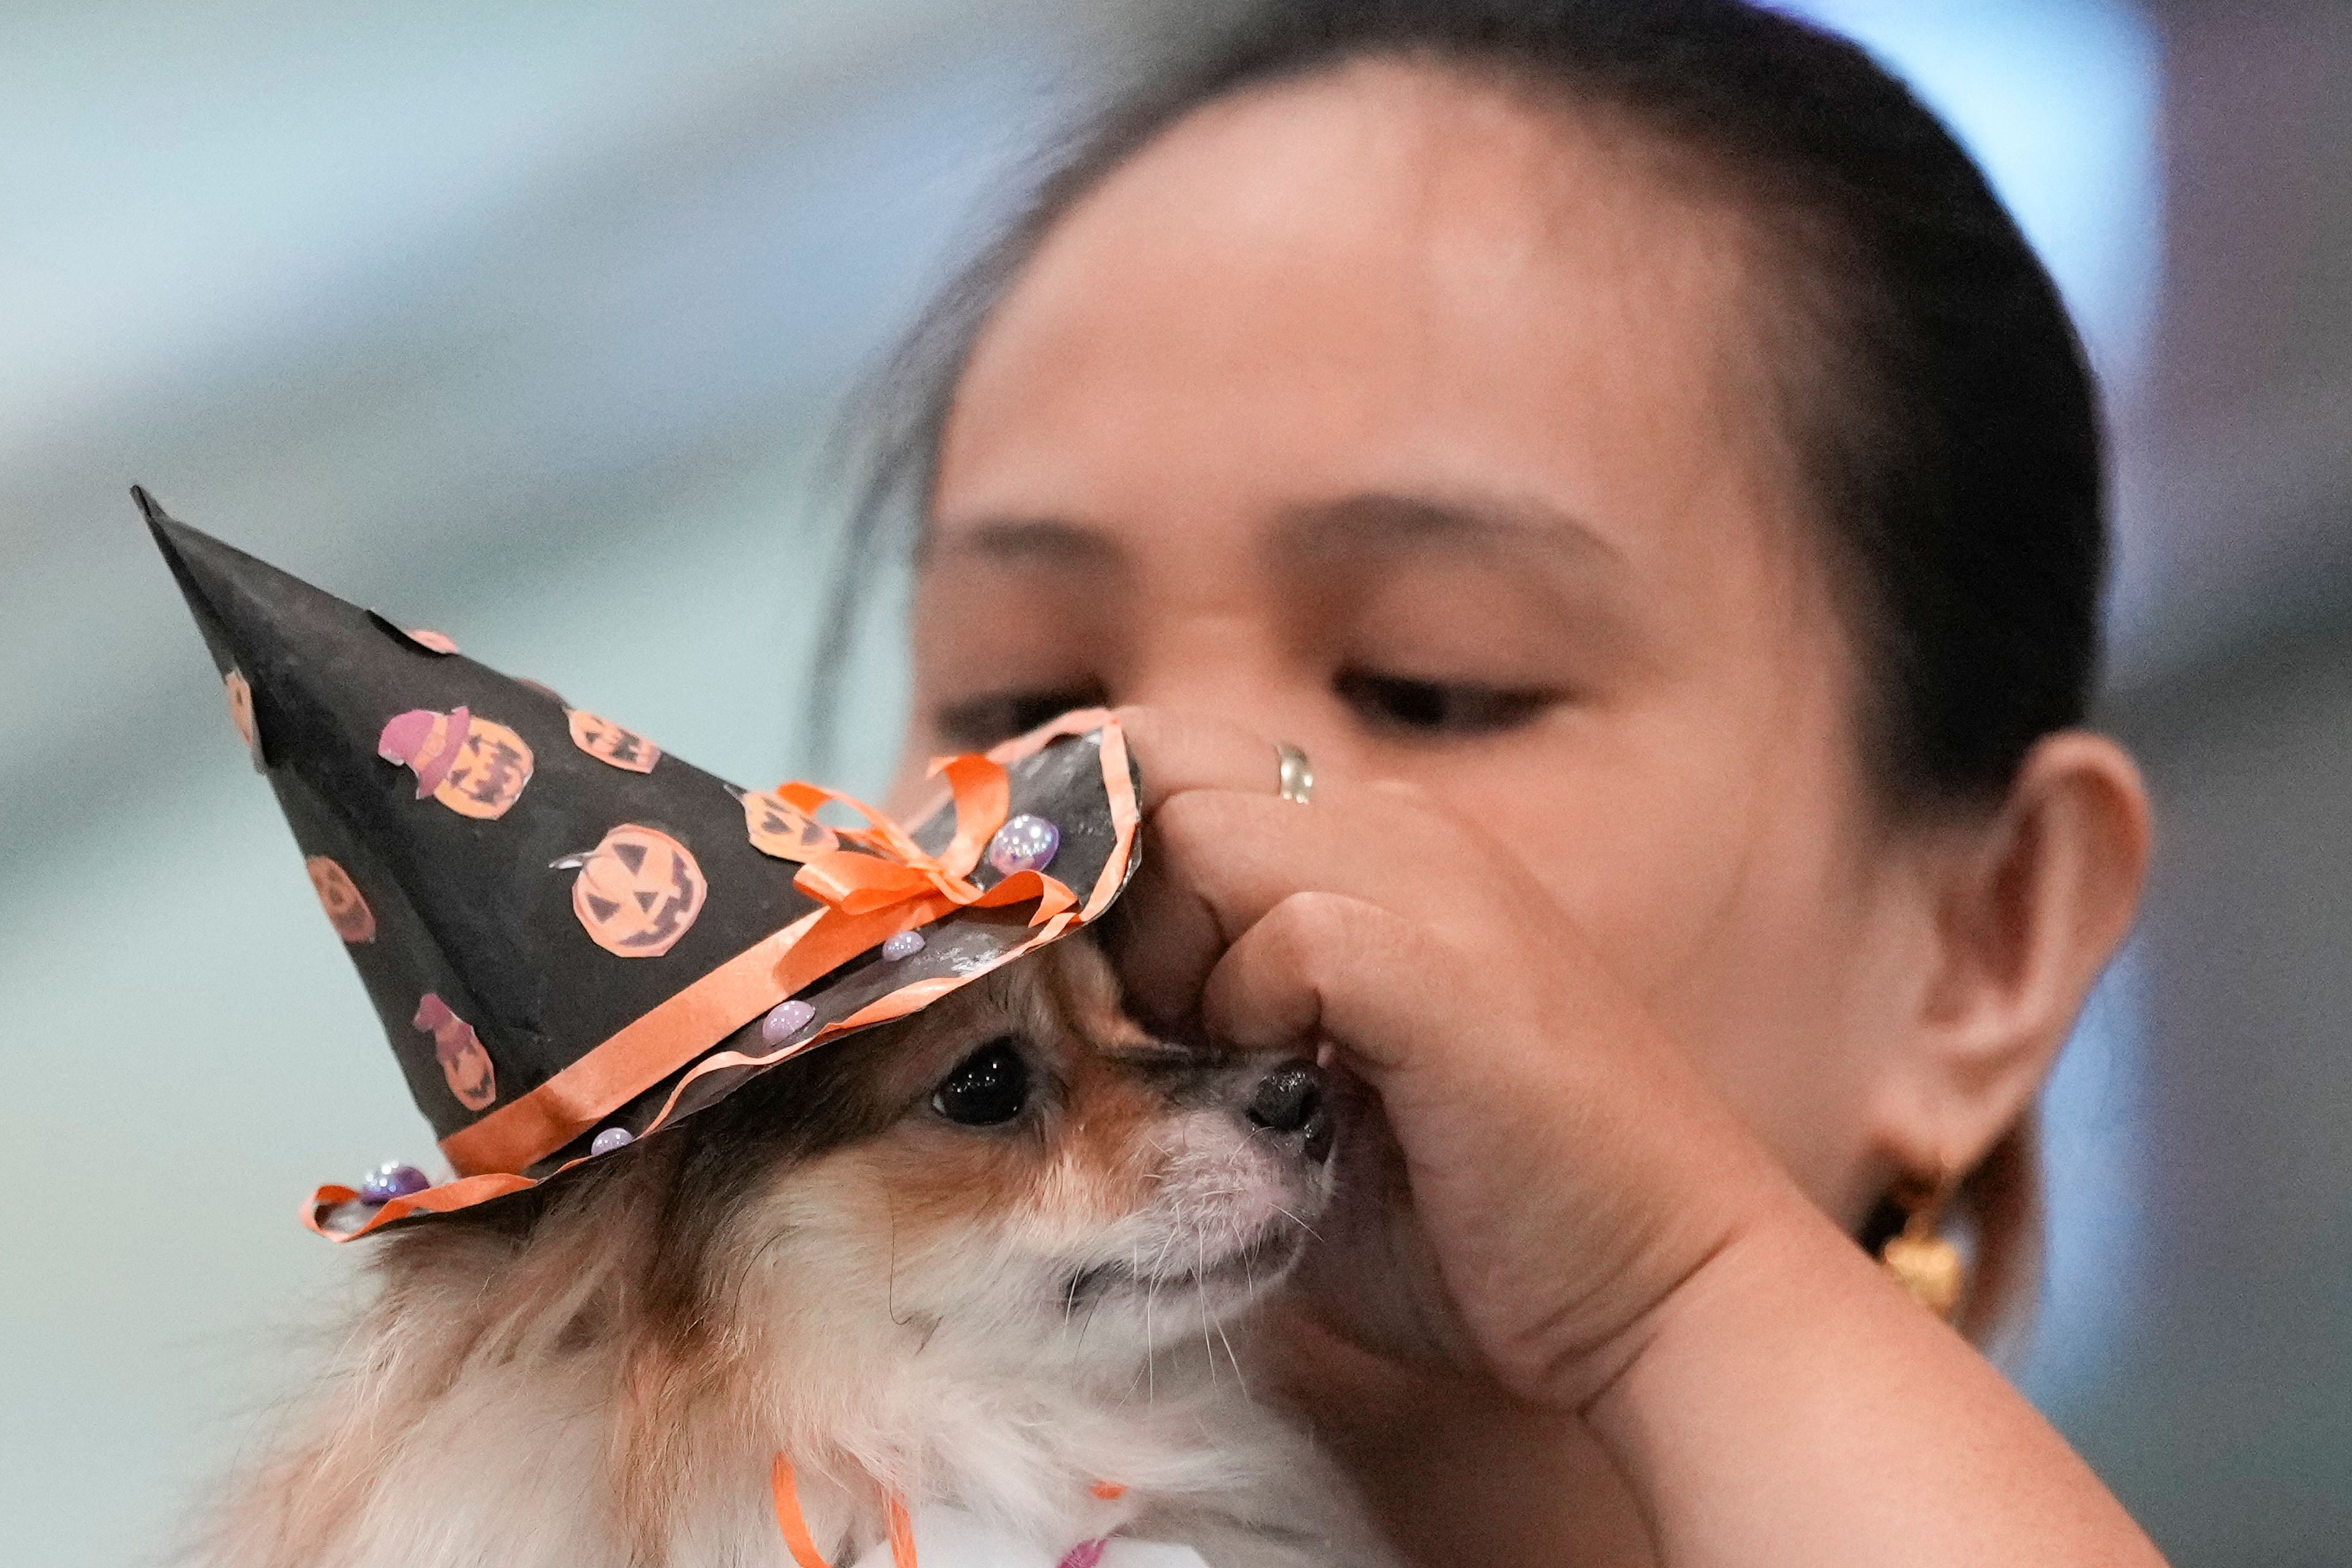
[465, 1065]
[474, 766]
[637, 892]
[488, 773]
[784, 831]
[347, 911]
[608, 743]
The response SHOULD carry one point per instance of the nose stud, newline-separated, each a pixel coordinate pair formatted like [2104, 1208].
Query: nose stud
[1288, 1102]
[1295, 777]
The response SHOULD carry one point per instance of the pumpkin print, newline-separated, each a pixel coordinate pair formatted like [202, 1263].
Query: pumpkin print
[240, 712]
[784, 831]
[608, 743]
[476, 767]
[464, 1063]
[637, 892]
[488, 775]
[347, 911]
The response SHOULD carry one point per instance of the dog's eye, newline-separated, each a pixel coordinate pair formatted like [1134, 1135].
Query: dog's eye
[988, 1087]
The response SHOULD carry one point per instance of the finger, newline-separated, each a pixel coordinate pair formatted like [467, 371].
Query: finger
[1529, 1132]
[1240, 854]
[1177, 753]
[1213, 861]
[1217, 860]
[1467, 1095]
[1161, 938]
[1323, 968]
[1476, 1081]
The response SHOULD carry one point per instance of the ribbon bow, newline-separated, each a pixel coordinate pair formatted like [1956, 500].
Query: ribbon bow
[889, 870]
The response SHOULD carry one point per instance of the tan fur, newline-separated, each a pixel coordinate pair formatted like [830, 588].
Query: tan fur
[822, 1266]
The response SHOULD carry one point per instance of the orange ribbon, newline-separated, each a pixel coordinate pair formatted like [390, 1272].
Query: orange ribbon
[895, 870]
[786, 1489]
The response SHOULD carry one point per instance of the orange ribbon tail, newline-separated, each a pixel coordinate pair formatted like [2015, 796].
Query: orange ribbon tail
[786, 1488]
[788, 1516]
[902, 1532]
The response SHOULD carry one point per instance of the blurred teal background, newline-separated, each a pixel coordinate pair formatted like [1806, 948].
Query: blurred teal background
[483, 314]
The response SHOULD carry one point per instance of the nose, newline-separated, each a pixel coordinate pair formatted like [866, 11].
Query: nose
[1288, 1103]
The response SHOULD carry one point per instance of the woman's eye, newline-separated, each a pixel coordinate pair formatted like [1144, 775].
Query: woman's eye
[980, 722]
[988, 1088]
[1439, 707]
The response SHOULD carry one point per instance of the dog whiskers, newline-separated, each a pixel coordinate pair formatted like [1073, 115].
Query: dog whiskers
[1151, 1357]
[890, 1280]
[1240, 1382]
[1201, 1297]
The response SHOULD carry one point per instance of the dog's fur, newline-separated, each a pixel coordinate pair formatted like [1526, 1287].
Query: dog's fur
[995, 1318]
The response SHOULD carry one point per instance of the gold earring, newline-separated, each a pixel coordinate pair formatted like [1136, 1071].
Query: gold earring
[1920, 1257]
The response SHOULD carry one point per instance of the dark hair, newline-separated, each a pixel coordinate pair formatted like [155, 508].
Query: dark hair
[1934, 393]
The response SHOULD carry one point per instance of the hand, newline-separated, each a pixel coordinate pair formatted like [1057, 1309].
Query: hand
[1551, 1168]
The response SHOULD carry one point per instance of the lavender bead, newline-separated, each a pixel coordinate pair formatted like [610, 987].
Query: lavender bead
[392, 1180]
[610, 1139]
[902, 944]
[785, 1020]
[1024, 844]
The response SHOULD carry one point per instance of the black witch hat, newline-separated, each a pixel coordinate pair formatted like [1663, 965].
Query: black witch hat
[575, 939]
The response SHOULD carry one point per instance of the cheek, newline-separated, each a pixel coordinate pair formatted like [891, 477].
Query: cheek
[902, 1221]
[946, 1193]
[1667, 830]
[1100, 1168]
[1712, 843]
[938, 1187]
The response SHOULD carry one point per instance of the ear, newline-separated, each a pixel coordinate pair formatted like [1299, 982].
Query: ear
[2029, 905]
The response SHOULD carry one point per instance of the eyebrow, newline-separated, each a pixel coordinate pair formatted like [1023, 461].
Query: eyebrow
[1387, 523]
[1027, 540]
[1369, 522]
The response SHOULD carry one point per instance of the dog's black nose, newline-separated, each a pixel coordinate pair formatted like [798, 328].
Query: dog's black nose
[1288, 1101]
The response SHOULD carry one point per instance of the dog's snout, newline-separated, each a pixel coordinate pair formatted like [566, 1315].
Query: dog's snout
[1290, 1102]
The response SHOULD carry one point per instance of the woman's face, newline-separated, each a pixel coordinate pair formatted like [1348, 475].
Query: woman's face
[1391, 416]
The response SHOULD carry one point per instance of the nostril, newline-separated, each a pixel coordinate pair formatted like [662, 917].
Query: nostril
[1288, 1099]
[1316, 1142]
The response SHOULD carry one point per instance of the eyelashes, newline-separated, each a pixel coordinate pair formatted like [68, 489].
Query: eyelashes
[1419, 706]
[978, 722]
[1414, 706]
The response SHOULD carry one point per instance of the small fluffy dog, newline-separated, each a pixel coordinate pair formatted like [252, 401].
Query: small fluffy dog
[989, 1257]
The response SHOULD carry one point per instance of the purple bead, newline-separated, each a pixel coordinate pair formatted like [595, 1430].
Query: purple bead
[392, 1180]
[902, 944]
[785, 1020]
[1024, 844]
[610, 1139]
